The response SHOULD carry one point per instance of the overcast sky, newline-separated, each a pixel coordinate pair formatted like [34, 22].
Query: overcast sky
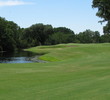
[77, 15]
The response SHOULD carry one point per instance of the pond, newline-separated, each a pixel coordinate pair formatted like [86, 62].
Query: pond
[19, 57]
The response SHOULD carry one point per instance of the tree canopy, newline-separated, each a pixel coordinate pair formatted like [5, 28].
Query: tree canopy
[8, 35]
[103, 8]
[103, 12]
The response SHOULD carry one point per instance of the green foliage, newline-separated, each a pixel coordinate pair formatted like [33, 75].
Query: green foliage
[103, 12]
[88, 36]
[61, 35]
[105, 38]
[40, 34]
[106, 29]
[63, 30]
[37, 34]
[58, 38]
[8, 35]
[103, 8]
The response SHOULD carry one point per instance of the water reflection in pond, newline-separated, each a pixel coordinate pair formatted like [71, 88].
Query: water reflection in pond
[17, 57]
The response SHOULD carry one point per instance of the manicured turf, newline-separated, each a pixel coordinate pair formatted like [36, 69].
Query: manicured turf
[76, 72]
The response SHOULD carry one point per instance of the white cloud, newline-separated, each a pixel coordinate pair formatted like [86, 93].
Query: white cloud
[13, 3]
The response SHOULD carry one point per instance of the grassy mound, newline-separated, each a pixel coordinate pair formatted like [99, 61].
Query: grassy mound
[75, 72]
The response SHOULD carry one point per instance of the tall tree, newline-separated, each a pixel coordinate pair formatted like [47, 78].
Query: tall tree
[106, 29]
[88, 36]
[9, 35]
[37, 34]
[61, 35]
[103, 12]
[103, 8]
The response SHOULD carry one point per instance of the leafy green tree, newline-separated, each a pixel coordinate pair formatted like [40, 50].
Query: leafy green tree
[8, 35]
[57, 38]
[2, 31]
[37, 34]
[103, 9]
[103, 12]
[106, 29]
[105, 38]
[61, 35]
[96, 37]
[63, 30]
[88, 36]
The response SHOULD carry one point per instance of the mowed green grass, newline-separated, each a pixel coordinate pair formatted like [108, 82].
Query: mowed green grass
[75, 72]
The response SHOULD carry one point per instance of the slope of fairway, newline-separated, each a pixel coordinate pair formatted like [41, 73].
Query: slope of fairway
[73, 72]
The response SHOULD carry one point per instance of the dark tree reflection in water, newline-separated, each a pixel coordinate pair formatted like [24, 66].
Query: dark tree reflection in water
[17, 57]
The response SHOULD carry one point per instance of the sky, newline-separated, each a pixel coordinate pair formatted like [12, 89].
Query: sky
[78, 15]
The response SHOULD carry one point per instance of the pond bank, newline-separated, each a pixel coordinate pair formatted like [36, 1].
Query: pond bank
[36, 59]
[20, 57]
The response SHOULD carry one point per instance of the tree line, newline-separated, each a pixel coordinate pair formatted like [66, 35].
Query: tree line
[13, 37]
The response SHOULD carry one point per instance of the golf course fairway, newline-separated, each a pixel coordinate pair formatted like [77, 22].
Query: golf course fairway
[72, 72]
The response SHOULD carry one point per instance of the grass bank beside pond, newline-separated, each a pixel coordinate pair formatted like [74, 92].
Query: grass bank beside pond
[74, 72]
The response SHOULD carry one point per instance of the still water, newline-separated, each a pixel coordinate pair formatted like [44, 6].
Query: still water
[17, 57]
